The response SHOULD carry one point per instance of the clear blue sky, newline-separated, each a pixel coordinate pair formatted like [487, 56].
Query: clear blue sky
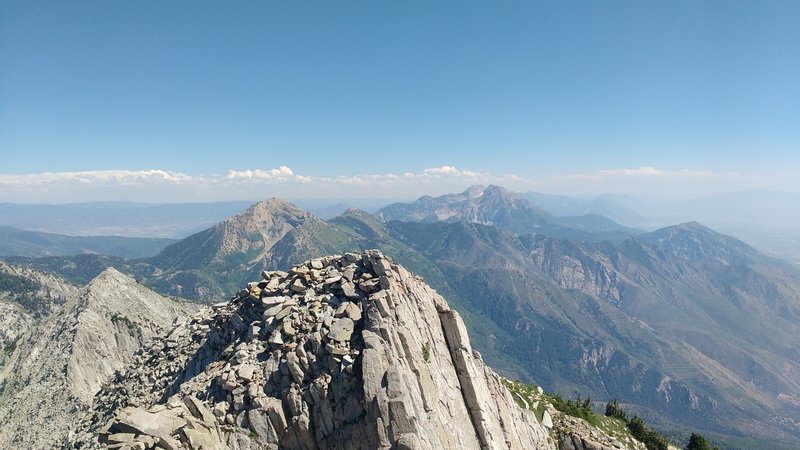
[536, 89]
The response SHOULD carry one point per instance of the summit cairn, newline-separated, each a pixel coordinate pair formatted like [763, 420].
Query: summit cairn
[342, 352]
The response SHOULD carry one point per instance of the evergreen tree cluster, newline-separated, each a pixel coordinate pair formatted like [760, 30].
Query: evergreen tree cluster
[614, 410]
[652, 439]
[576, 408]
[698, 442]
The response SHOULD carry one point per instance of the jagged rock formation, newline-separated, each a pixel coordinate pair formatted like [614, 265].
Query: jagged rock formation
[343, 352]
[252, 232]
[505, 210]
[58, 366]
[26, 295]
[490, 205]
[203, 265]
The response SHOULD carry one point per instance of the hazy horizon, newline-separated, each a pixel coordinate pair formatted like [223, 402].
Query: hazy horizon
[156, 186]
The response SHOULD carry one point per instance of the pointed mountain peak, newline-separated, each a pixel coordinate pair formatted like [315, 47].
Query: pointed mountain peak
[273, 206]
[494, 190]
[108, 288]
[62, 363]
[491, 205]
[271, 218]
[239, 241]
[111, 274]
[108, 280]
[474, 191]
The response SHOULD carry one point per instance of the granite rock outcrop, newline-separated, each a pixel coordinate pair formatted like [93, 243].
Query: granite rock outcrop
[58, 365]
[344, 352]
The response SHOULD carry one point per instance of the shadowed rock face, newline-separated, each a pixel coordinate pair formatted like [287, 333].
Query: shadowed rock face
[345, 352]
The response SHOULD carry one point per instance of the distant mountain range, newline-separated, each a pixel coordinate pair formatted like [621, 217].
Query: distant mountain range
[505, 210]
[689, 327]
[769, 221]
[766, 220]
[609, 206]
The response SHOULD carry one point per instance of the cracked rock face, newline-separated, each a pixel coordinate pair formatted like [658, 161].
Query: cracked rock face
[341, 352]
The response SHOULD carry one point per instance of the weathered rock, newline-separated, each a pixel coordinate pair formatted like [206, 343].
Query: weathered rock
[139, 421]
[273, 300]
[336, 350]
[393, 368]
[276, 338]
[273, 310]
[547, 421]
[298, 285]
[121, 438]
[341, 329]
[246, 372]
[349, 290]
[350, 310]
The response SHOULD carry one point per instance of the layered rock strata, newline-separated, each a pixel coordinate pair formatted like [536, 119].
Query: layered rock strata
[341, 352]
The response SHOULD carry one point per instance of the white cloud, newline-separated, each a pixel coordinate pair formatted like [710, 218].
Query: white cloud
[443, 174]
[162, 185]
[95, 177]
[250, 184]
[450, 171]
[641, 171]
[279, 173]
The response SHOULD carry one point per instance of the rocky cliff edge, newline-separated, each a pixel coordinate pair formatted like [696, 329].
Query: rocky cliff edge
[344, 352]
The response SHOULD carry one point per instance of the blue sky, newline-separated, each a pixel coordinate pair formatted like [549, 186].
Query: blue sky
[572, 97]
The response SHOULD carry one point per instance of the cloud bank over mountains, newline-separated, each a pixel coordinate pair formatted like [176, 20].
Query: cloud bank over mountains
[169, 186]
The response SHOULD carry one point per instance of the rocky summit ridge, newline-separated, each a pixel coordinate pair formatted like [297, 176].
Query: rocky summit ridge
[58, 365]
[340, 352]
